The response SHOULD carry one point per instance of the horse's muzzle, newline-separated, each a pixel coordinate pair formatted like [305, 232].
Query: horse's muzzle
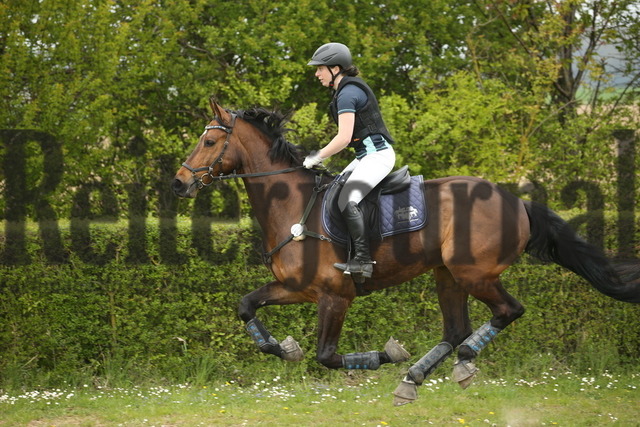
[182, 189]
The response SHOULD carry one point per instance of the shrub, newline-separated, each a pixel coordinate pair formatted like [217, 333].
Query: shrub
[111, 320]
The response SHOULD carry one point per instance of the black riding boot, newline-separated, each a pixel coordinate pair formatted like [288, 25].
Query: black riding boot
[361, 262]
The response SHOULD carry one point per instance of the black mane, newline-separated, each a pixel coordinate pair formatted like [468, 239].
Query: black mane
[271, 123]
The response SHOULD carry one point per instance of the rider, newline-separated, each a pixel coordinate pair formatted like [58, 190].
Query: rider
[355, 110]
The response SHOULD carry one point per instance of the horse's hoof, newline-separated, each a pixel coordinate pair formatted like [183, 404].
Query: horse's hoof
[463, 372]
[466, 382]
[400, 401]
[291, 351]
[406, 392]
[395, 351]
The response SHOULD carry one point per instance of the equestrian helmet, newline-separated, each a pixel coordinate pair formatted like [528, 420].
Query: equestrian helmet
[332, 54]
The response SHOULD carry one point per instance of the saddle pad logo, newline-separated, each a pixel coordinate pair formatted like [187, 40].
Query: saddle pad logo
[406, 214]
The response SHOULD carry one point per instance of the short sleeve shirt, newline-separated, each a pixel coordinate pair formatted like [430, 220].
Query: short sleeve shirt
[350, 99]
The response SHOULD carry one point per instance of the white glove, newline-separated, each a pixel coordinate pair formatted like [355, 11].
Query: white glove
[312, 160]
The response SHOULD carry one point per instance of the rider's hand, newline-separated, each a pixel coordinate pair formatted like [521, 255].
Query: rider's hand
[312, 160]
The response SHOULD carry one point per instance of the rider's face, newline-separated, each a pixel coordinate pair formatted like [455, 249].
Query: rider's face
[324, 75]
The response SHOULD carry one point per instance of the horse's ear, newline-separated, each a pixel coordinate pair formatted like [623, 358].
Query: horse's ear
[222, 114]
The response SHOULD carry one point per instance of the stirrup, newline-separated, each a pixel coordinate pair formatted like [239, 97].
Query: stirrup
[353, 266]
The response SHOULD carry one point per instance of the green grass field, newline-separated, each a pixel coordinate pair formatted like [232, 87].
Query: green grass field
[553, 398]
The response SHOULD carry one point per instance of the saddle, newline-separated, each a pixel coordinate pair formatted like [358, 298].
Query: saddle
[395, 205]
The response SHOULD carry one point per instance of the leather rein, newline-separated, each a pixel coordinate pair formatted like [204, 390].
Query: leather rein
[299, 230]
[208, 178]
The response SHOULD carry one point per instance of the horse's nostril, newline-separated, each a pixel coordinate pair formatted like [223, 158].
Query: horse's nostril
[176, 185]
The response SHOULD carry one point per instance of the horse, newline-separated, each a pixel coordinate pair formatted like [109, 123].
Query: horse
[476, 230]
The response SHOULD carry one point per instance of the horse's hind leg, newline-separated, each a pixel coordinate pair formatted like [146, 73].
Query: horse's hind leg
[455, 312]
[273, 293]
[505, 309]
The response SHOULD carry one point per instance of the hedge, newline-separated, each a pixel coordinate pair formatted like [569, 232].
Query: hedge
[170, 315]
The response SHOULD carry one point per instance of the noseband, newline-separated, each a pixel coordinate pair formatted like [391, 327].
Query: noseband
[209, 169]
[211, 178]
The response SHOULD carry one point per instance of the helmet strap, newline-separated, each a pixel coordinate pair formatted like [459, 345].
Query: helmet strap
[334, 76]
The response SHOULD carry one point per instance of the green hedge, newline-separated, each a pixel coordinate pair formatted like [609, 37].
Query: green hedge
[116, 318]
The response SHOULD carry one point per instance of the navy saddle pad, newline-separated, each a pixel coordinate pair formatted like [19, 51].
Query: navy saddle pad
[397, 205]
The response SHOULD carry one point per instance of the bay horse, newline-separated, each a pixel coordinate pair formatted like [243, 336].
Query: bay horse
[475, 231]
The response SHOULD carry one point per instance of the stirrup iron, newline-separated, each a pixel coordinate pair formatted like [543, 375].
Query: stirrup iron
[355, 267]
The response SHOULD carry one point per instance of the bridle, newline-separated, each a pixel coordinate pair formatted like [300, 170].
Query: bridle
[210, 177]
[200, 182]
[298, 231]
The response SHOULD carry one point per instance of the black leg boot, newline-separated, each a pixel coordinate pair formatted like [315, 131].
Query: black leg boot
[361, 262]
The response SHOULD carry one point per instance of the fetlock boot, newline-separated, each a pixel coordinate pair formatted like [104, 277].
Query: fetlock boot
[361, 263]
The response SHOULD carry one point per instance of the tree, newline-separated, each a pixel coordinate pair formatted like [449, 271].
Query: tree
[552, 53]
[124, 85]
[556, 47]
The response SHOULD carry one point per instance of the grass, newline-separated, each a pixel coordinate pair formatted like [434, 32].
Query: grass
[362, 399]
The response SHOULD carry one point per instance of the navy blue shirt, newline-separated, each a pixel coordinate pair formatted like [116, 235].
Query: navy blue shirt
[351, 99]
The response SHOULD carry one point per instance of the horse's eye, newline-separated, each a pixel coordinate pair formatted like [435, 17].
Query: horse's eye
[209, 143]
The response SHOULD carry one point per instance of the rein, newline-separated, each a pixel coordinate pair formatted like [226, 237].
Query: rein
[208, 178]
[299, 230]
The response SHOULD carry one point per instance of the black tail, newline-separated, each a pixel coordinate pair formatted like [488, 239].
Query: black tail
[552, 239]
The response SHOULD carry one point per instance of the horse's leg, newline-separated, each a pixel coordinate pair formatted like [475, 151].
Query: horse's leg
[273, 293]
[505, 309]
[453, 303]
[332, 310]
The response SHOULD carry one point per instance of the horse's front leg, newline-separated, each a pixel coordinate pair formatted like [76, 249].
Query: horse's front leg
[332, 310]
[273, 293]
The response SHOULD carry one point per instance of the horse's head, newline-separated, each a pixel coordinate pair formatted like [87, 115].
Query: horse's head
[213, 156]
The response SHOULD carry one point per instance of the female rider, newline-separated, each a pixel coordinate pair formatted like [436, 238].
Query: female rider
[355, 110]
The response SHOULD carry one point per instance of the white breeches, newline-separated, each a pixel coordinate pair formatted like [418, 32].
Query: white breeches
[367, 172]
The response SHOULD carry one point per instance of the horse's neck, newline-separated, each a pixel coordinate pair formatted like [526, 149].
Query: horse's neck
[278, 200]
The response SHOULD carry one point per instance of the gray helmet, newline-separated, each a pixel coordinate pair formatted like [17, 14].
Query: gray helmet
[331, 54]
